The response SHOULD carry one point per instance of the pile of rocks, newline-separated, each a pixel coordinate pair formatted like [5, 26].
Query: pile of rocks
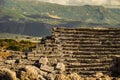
[46, 72]
[34, 73]
[41, 72]
[31, 72]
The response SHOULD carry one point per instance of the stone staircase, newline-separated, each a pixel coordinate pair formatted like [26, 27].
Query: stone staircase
[88, 50]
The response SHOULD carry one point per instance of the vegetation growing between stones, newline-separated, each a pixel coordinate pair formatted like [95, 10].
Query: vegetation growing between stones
[14, 45]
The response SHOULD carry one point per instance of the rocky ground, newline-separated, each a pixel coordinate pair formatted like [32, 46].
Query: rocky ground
[44, 71]
[34, 73]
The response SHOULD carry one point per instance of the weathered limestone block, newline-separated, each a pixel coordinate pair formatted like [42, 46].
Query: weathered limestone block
[43, 60]
[23, 56]
[9, 62]
[31, 69]
[30, 54]
[6, 74]
[47, 68]
[60, 66]
[39, 71]
[28, 76]
[33, 58]
[38, 54]
[99, 75]
[31, 73]
[52, 61]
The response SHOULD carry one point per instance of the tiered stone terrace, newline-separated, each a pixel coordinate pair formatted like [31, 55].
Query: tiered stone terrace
[87, 50]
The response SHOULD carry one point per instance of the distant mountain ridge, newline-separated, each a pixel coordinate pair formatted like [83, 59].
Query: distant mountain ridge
[37, 18]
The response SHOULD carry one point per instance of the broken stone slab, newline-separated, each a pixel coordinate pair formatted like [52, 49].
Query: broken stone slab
[9, 61]
[47, 68]
[60, 66]
[40, 72]
[31, 54]
[99, 75]
[33, 58]
[38, 55]
[43, 60]
[29, 72]
[23, 56]
[31, 69]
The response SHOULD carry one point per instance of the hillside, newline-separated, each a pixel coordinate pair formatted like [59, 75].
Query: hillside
[35, 18]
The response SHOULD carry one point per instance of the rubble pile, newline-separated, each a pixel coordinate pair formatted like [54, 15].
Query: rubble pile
[46, 72]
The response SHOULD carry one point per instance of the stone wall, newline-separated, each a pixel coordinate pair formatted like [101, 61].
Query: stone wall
[87, 50]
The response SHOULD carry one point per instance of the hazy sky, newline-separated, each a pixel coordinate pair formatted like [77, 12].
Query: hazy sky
[84, 2]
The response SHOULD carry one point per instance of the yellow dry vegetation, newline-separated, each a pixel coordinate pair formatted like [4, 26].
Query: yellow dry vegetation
[4, 54]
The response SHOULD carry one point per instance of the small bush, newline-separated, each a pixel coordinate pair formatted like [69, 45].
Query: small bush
[14, 48]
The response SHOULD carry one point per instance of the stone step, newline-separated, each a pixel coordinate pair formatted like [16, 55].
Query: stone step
[85, 33]
[80, 65]
[95, 53]
[85, 72]
[91, 73]
[86, 36]
[88, 69]
[90, 46]
[88, 29]
[110, 50]
[72, 40]
[70, 60]
[86, 64]
[90, 52]
[83, 29]
[90, 49]
[99, 53]
[93, 56]
[91, 33]
[78, 57]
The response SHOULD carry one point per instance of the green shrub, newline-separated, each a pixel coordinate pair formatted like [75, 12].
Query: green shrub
[14, 48]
